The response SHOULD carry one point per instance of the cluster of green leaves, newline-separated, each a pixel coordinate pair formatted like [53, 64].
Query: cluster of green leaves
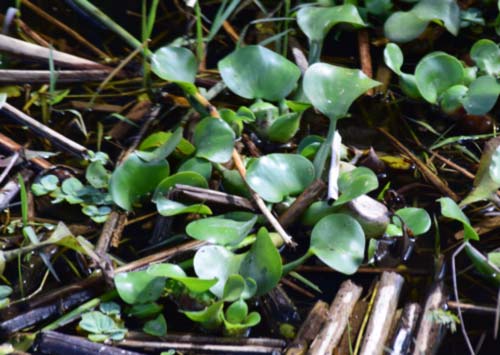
[442, 79]
[93, 198]
[105, 324]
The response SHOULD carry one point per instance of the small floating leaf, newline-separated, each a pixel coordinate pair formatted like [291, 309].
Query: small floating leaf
[214, 140]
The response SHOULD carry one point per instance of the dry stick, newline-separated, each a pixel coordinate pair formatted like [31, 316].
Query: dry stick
[340, 310]
[10, 145]
[40, 128]
[28, 31]
[13, 160]
[230, 31]
[65, 28]
[429, 331]
[35, 52]
[365, 270]
[297, 288]
[309, 329]
[433, 178]
[43, 76]
[472, 308]
[401, 341]
[241, 169]
[382, 315]
[355, 322]
[364, 55]
[302, 202]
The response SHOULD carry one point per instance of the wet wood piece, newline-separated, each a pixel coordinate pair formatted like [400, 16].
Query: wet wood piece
[201, 348]
[302, 202]
[212, 196]
[47, 132]
[430, 333]
[472, 308]
[364, 55]
[55, 343]
[309, 329]
[340, 310]
[43, 76]
[384, 309]
[32, 51]
[402, 338]
[355, 322]
[14, 147]
[11, 188]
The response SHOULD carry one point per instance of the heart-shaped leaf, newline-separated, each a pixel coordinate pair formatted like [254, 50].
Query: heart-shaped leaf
[332, 89]
[213, 261]
[214, 140]
[316, 22]
[234, 287]
[436, 73]
[393, 57]
[237, 312]
[482, 95]
[175, 64]
[262, 263]
[416, 219]
[486, 54]
[338, 241]
[276, 176]
[354, 183]
[156, 327]
[404, 26]
[197, 165]
[226, 229]
[175, 272]
[284, 127]
[255, 72]
[97, 175]
[165, 149]
[451, 210]
[139, 286]
[135, 178]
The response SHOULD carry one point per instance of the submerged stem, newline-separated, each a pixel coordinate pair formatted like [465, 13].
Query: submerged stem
[322, 154]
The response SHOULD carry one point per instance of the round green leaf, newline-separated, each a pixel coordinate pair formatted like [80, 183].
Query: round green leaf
[234, 287]
[393, 57]
[332, 89]
[354, 183]
[237, 312]
[255, 72]
[49, 182]
[98, 323]
[139, 286]
[416, 219]
[486, 54]
[174, 64]
[262, 263]
[437, 72]
[225, 229]
[482, 95]
[316, 22]
[277, 176]
[214, 140]
[284, 127]
[156, 327]
[135, 178]
[213, 261]
[404, 26]
[452, 99]
[338, 241]
[97, 175]
[446, 11]
[198, 165]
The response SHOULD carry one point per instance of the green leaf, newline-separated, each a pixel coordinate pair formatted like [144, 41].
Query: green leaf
[482, 265]
[451, 210]
[71, 186]
[487, 179]
[482, 95]
[214, 140]
[255, 72]
[226, 229]
[135, 178]
[209, 318]
[393, 57]
[110, 308]
[486, 54]
[416, 219]
[446, 11]
[436, 73]
[175, 272]
[338, 241]
[146, 310]
[156, 327]
[355, 183]
[316, 22]
[97, 175]
[49, 182]
[170, 208]
[277, 176]
[237, 312]
[165, 149]
[5, 291]
[404, 26]
[453, 98]
[262, 263]
[214, 261]
[175, 64]
[197, 165]
[316, 211]
[190, 178]
[158, 139]
[332, 89]
[284, 127]
[96, 322]
[234, 287]
[139, 286]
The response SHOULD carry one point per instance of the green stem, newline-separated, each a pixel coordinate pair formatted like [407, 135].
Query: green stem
[322, 154]
[112, 25]
[199, 33]
[314, 51]
[296, 263]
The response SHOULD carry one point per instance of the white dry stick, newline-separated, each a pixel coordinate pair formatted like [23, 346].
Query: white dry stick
[340, 310]
[333, 174]
[384, 309]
